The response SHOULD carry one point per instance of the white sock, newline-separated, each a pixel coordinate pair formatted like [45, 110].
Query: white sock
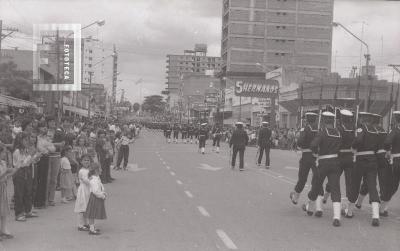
[349, 209]
[336, 210]
[217, 149]
[202, 149]
[318, 203]
[383, 206]
[360, 199]
[310, 206]
[375, 210]
[92, 227]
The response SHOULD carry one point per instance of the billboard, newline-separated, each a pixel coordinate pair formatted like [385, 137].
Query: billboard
[264, 88]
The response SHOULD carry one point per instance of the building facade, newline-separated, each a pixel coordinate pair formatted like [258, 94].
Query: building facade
[259, 36]
[191, 62]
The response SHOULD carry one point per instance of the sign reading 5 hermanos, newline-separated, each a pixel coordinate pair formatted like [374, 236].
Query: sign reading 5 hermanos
[265, 88]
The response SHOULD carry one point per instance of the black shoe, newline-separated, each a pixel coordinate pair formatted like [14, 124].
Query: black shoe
[95, 232]
[111, 179]
[384, 213]
[324, 201]
[358, 206]
[266, 167]
[336, 223]
[346, 215]
[375, 222]
[83, 228]
[318, 214]
[241, 169]
[309, 213]
[291, 196]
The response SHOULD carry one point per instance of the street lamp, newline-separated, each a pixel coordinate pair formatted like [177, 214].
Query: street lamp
[367, 59]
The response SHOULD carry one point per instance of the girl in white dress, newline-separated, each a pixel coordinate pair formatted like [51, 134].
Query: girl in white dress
[82, 197]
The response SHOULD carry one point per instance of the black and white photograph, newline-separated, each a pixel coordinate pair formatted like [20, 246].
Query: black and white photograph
[199, 125]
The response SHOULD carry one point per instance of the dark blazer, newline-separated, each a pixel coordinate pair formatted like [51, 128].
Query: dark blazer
[239, 138]
[264, 137]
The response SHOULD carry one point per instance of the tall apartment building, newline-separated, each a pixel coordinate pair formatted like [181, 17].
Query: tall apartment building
[262, 35]
[192, 62]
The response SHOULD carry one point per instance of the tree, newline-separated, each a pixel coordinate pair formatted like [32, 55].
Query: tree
[136, 107]
[154, 104]
[15, 83]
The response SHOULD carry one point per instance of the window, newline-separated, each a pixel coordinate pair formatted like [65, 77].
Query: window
[283, 27]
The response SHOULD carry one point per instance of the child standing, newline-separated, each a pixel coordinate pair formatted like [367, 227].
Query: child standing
[66, 180]
[95, 208]
[83, 193]
[5, 174]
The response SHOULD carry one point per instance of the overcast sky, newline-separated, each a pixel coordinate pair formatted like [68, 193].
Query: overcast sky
[145, 31]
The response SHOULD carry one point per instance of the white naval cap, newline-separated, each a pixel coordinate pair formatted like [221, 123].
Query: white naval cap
[346, 112]
[310, 114]
[396, 112]
[204, 124]
[239, 123]
[328, 114]
[265, 122]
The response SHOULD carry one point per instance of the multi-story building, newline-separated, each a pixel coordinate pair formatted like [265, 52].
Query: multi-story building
[192, 62]
[262, 35]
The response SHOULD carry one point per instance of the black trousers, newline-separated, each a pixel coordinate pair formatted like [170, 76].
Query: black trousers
[346, 167]
[176, 134]
[168, 135]
[306, 163]
[367, 167]
[184, 135]
[123, 153]
[327, 168]
[385, 178]
[40, 198]
[261, 150]
[202, 141]
[105, 169]
[23, 191]
[236, 150]
[216, 140]
[396, 175]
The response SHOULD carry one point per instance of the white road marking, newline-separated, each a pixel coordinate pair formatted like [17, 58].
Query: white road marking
[203, 211]
[172, 173]
[291, 168]
[189, 194]
[226, 240]
[208, 167]
[179, 182]
[168, 167]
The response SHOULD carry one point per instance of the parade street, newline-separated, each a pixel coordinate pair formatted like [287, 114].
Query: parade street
[173, 198]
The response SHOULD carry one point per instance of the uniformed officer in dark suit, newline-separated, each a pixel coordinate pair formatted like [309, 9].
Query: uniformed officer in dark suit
[168, 133]
[203, 134]
[239, 142]
[326, 146]
[216, 132]
[366, 165]
[264, 144]
[307, 160]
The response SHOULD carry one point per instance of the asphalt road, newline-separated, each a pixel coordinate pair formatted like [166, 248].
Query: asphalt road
[172, 198]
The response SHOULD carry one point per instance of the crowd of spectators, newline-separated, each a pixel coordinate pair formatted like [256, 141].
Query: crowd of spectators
[40, 155]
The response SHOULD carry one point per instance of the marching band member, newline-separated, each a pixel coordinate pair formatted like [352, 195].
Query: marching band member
[264, 144]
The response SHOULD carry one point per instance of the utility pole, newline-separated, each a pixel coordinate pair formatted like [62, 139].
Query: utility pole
[10, 31]
[114, 82]
[122, 95]
[90, 93]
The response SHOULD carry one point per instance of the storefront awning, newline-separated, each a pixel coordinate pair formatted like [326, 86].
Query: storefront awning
[15, 102]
